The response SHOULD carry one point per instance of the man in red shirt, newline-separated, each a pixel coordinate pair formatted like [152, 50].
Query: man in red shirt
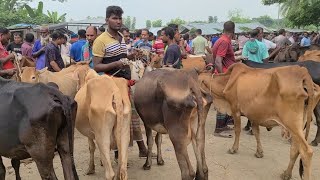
[158, 45]
[223, 55]
[5, 57]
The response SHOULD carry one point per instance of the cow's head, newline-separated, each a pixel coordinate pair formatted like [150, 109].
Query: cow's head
[30, 75]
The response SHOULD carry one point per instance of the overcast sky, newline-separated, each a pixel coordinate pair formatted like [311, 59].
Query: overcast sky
[160, 9]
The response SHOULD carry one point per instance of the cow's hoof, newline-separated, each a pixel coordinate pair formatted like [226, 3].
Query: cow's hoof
[314, 143]
[250, 132]
[285, 176]
[90, 171]
[160, 163]
[146, 167]
[232, 151]
[259, 154]
[101, 164]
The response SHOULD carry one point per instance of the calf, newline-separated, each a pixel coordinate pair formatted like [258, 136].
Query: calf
[313, 69]
[268, 97]
[168, 101]
[34, 120]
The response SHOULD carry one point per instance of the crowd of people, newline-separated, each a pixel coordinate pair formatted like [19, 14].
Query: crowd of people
[106, 48]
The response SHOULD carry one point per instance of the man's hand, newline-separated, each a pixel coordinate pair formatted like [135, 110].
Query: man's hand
[11, 56]
[10, 72]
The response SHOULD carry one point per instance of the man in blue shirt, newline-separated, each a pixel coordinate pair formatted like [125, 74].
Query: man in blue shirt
[86, 50]
[172, 56]
[40, 47]
[144, 43]
[305, 41]
[76, 48]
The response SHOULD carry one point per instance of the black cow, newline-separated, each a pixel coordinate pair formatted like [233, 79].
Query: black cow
[34, 120]
[314, 71]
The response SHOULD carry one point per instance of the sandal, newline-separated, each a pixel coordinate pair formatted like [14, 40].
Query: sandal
[223, 134]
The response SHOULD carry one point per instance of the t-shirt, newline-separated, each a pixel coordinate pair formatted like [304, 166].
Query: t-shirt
[111, 50]
[4, 53]
[199, 45]
[13, 47]
[172, 56]
[281, 41]
[269, 44]
[41, 59]
[214, 40]
[52, 53]
[305, 42]
[145, 45]
[260, 53]
[223, 48]
[75, 52]
[158, 46]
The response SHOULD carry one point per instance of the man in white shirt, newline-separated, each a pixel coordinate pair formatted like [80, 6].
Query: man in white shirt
[269, 44]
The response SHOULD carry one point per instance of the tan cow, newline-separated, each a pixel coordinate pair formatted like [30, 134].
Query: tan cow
[268, 97]
[68, 80]
[313, 55]
[193, 62]
[104, 115]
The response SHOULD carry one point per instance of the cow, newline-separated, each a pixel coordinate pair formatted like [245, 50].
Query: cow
[313, 69]
[268, 97]
[104, 115]
[313, 55]
[68, 80]
[36, 119]
[193, 62]
[169, 101]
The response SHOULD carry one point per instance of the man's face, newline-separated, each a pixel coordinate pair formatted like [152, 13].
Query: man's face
[145, 35]
[44, 33]
[114, 22]
[305, 34]
[164, 37]
[177, 36]
[17, 39]
[260, 35]
[126, 36]
[5, 38]
[91, 35]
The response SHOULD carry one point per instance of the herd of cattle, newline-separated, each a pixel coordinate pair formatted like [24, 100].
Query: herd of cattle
[39, 114]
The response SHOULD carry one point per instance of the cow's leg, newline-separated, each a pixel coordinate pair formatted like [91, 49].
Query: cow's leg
[147, 165]
[237, 130]
[2, 170]
[306, 154]
[180, 148]
[317, 115]
[256, 132]
[248, 126]
[294, 152]
[16, 166]
[66, 156]
[159, 154]
[123, 144]
[92, 148]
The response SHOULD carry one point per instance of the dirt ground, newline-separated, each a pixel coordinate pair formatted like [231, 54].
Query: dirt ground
[222, 166]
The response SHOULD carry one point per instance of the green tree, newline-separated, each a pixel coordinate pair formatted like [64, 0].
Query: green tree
[33, 13]
[148, 24]
[157, 23]
[198, 21]
[54, 17]
[215, 19]
[133, 24]
[265, 20]
[127, 22]
[210, 19]
[177, 21]
[237, 16]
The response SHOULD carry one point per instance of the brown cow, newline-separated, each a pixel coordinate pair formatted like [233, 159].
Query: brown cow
[285, 91]
[313, 55]
[169, 105]
[104, 115]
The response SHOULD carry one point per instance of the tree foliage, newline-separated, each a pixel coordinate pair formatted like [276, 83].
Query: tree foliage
[133, 24]
[265, 20]
[127, 22]
[177, 21]
[157, 23]
[148, 24]
[210, 19]
[237, 16]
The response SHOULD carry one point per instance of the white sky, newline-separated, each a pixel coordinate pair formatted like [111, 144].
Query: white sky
[160, 9]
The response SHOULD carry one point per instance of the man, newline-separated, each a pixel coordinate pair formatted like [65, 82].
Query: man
[15, 46]
[54, 61]
[254, 50]
[26, 47]
[75, 52]
[177, 38]
[110, 48]
[86, 51]
[172, 56]
[290, 37]
[223, 56]
[7, 68]
[200, 44]
[282, 40]
[151, 38]
[305, 41]
[214, 39]
[126, 35]
[65, 50]
[144, 43]
[269, 44]
[39, 48]
[158, 45]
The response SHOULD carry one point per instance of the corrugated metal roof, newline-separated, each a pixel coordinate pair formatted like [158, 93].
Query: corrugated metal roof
[99, 21]
[154, 30]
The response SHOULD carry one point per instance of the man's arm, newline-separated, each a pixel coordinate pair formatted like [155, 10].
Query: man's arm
[218, 62]
[208, 49]
[5, 59]
[9, 72]
[38, 53]
[55, 66]
[100, 67]
[221, 53]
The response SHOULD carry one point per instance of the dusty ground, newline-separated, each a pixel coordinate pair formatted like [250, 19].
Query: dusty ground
[222, 166]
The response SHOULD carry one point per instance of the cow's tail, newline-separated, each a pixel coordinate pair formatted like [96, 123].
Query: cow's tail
[70, 116]
[308, 85]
